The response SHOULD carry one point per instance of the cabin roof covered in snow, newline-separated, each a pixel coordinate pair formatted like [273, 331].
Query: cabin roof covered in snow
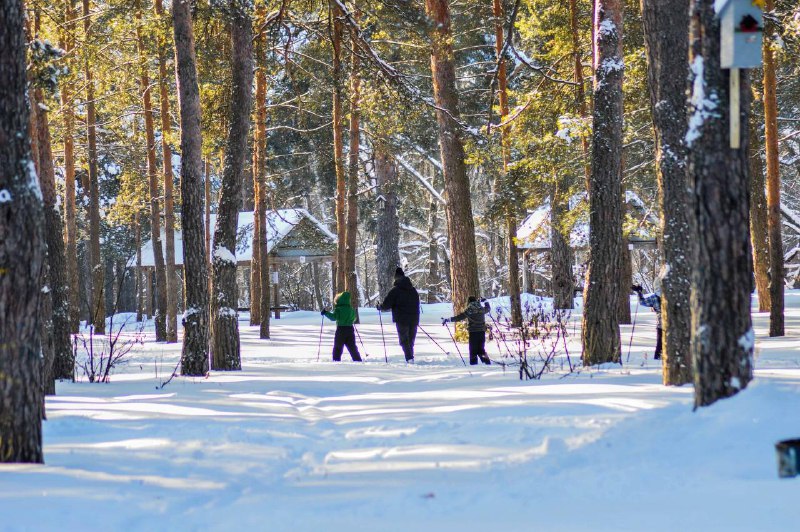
[534, 231]
[282, 225]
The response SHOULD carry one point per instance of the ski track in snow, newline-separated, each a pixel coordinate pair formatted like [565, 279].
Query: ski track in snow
[290, 443]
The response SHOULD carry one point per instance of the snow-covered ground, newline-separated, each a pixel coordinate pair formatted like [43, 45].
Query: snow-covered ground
[290, 443]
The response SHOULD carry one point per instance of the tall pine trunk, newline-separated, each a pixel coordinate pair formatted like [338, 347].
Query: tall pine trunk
[338, 145]
[561, 256]
[759, 232]
[776, 268]
[259, 155]
[70, 211]
[666, 24]
[388, 230]
[155, 193]
[260, 184]
[224, 303]
[351, 279]
[63, 361]
[433, 251]
[194, 354]
[97, 306]
[601, 340]
[169, 200]
[580, 92]
[510, 204]
[722, 333]
[22, 254]
[460, 222]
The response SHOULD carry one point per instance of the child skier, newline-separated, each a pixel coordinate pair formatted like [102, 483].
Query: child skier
[344, 315]
[654, 302]
[474, 314]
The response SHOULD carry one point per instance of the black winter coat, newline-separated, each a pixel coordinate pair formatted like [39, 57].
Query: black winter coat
[403, 301]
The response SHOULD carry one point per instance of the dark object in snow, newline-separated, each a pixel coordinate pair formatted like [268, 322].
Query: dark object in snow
[788, 457]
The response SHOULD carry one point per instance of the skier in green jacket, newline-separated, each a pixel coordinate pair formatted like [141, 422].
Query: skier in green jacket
[344, 315]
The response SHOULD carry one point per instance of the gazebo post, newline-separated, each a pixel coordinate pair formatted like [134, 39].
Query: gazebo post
[276, 291]
[148, 293]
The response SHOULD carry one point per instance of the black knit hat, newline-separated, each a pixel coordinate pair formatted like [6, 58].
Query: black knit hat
[398, 273]
[472, 299]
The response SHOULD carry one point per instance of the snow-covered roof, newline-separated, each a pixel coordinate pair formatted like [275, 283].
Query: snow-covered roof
[280, 224]
[534, 231]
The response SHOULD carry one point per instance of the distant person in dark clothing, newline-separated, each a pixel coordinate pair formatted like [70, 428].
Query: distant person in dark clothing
[403, 301]
[476, 325]
[654, 302]
[344, 315]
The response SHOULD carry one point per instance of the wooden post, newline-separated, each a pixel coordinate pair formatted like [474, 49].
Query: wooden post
[735, 115]
[276, 294]
[148, 292]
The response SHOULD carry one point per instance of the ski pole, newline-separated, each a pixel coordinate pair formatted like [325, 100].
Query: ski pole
[319, 346]
[445, 351]
[456, 344]
[360, 340]
[380, 319]
[633, 328]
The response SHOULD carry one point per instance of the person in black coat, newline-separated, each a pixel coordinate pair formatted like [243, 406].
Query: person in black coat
[403, 301]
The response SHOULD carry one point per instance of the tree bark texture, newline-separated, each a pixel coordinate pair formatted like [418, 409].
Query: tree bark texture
[137, 228]
[561, 255]
[666, 24]
[580, 91]
[759, 232]
[46, 299]
[169, 199]
[155, 193]
[433, 251]
[510, 214]
[722, 333]
[71, 227]
[351, 279]
[259, 155]
[776, 268]
[194, 354]
[460, 222]
[601, 340]
[22, 254]
[225, 299]
[388, 229]
[63, 359]
[625, 269]
[338, 145]
[261, 197]
[97, 306]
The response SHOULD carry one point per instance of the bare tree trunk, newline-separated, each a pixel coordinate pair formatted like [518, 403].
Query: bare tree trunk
[722, 333]
[97, 305]
[338, 145]
[71, 228]
[511, 217]
[601, 340]
[169, 201]
[433, 251]
[580, 92]
[351, 279]
[261, 197]
[63, 362]
[22, 254]
[155, 193]
[666, 24]
[388, 230]
[460, 222]
[625, 270]
[224, 304]
[194, 355]
[137, 228]
[259, 163]
[561, 253]
[776, 269]
[759, 232]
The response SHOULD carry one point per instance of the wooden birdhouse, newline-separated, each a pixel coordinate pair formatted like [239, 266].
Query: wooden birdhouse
[741, 32]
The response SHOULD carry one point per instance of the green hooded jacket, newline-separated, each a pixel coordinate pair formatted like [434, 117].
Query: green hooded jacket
[343, 313]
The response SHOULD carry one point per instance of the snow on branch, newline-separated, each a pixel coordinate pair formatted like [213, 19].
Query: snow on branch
[411, 170]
